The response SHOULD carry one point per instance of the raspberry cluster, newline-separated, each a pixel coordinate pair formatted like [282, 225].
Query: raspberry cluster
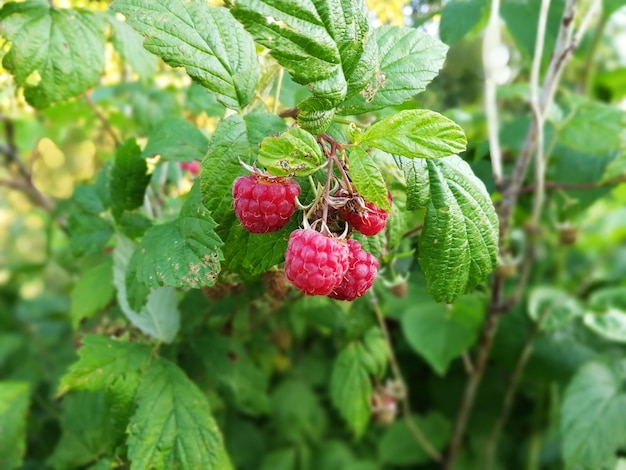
[316, 262]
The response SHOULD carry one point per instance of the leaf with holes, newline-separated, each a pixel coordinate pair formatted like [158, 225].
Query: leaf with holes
[295, 152]
[408, 60]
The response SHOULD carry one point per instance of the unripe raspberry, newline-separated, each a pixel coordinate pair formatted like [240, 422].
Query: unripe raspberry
[315, 263]
[263, 203]
[361, 273]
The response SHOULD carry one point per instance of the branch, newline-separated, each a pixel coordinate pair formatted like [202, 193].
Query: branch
[491, 42]
[414, 429]
[103, 119]
[24, 181]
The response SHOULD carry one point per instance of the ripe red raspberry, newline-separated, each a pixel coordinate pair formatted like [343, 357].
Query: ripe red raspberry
[315, 263]
[369, 222]
[192, 167]
[360, 275]
[264, 203]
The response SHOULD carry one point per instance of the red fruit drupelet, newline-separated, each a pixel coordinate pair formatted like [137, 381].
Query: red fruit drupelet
[370, 222]
[315, 263]
[360, 275]
[192, 167]
[263, 203]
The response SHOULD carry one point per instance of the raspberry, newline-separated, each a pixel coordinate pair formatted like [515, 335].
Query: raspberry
[264, 203]
[369, 222]
[192, 167]
[360, 275]
[315, 263]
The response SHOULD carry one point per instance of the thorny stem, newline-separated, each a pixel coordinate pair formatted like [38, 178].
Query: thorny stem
[565, 45]
[414, 429]
[326, 194]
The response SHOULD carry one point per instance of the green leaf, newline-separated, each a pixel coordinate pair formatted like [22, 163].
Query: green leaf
[227, 362]
[368, 179]
[160, 317]
[102, 362]
[173, 426]
[295, 152]
[182, 253]
[416, 133]
[409, 60]
[89, 234]
[351, 388]
[55, 54]
[593, 414]
[375, 352]
[397, 445]
[244, 252]
[458, 17]
[14, 399]
[595, 128]
[459, 242]
[192, 34]
[129, 44]
[93, 291]
[319, 42]
[608, 318]
[440, 333]
[555, 307]
[296, 411]
[129, 178]
[83, 440]
[176, 139]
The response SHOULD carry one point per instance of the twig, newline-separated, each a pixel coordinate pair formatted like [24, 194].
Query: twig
[279, 85]
[414, 429]
[539, 119]
[25, 181]
[469, 394]
[103, 119]
[491, 42]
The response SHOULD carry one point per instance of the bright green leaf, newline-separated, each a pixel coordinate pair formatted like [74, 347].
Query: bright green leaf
[368, 179]
[191, 34]
[458, 245]
[173, 426]
[397, 445]
[593, 414]
[56, 53]
[129, 44]
[103, 361]
[182, 253]
[176, 139]
[295, 152]
[14, 399]
[351, 388]
[416, 133]
[440, 333]
[458, 17]
[92, 292]
[129, 178]
[160, 317]
[375, 352]
[554, 307]
[409, 60]
[320, 42]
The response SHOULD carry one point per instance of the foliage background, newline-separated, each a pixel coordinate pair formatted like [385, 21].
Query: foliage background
[271, 367]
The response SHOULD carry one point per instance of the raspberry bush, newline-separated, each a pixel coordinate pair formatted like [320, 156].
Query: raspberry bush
[269, 234]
